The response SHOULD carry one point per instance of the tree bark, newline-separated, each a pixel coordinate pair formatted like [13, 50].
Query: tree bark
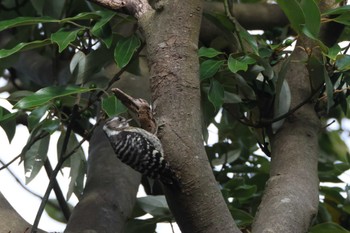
[290, 200]
[172, 35]
[11, 221]
[110, 191]
[171, 31]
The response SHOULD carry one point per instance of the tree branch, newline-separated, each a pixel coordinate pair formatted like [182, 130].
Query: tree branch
[11, 221]
[109, 193]
[137, 8]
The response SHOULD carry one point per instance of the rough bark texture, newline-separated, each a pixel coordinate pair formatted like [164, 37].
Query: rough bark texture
[110, 191]
[11, 221]
[172, 35]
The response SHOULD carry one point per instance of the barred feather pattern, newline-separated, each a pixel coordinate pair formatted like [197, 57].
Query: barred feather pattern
[139, 149]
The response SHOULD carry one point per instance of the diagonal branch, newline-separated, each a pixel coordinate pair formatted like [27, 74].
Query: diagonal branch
[137, 8]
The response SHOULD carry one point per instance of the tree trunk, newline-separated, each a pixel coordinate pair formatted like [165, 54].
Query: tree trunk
[11, 221]
[291, 197]
[172, 36]
[110, 191]
[290, 201]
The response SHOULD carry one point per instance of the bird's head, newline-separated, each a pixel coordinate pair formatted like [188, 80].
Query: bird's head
[115, 124]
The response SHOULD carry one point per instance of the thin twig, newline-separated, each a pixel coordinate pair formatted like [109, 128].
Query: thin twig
[20, 182]
[62, 159]
[58, 192]
[266, 122]
[26, 148]
[235, 23]
[55, 172]
[172, 227]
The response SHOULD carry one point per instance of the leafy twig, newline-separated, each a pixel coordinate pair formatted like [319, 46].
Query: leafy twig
[235, 23]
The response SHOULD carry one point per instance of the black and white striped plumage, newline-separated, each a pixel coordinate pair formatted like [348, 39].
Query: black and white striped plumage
[139, 149]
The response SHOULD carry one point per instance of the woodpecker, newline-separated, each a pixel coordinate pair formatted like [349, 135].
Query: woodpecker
[139, 149]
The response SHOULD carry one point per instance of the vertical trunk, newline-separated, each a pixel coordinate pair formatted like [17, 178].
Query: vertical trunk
[291, 197]
[172, 36]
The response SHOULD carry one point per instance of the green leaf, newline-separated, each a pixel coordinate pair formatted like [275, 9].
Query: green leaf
[343, 62]
[249, 39]
[22, 21]
[283, 99]
[112, 106]
[337, 11]
[208, 52]
[268, 71]
[138, 225]
[246, 91]
[245, 191]
[77, 168]
[231, 98]
[154, 205]
[35, 116]
[216, 94]
[39, 6]
[102, 30]
[106, 16]
[280, 80]
[327, 228]
[8, 122]
[64, 37]
[236, 65]
[333, 52]
[50, 125]
[54, 211]
[329, 90]
[315, 66]
[343, 19]
[84, 16]
[312, 16]
[35, 157]
[125, 49]
[105, 34]
[294, 13]
[241, 217]
[47, 94]
[79, 66]
[209, 68]
[23, 47]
